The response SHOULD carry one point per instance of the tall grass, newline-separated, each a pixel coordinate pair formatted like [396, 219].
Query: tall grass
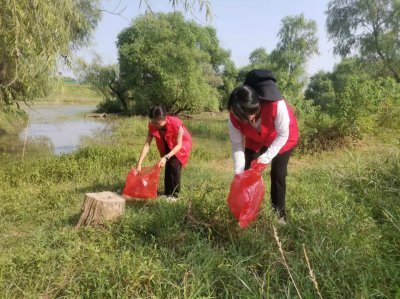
[343, 209]
[10, 127]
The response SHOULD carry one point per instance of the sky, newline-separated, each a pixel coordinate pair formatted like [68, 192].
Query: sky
[242, 26]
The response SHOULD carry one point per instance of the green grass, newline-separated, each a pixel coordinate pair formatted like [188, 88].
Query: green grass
[343, 209]
[73, 93]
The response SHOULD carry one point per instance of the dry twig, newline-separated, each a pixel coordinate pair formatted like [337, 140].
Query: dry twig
[26, 137]
[284, 261]
[311, 271]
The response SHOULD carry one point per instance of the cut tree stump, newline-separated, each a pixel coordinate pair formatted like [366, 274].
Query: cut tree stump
[99, 207]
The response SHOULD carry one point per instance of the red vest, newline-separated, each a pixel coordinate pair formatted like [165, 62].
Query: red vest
[171, 134]
[256, 140]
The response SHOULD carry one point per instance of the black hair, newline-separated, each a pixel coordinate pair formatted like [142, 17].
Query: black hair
[243, 102]
[157, 112]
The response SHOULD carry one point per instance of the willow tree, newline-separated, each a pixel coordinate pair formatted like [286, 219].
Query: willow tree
[298, 42]
[368, 28]
[167, 60]
[191, 6]
[34, 35]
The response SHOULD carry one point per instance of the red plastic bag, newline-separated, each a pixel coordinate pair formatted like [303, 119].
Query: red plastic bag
[143, 184]
[246, 194]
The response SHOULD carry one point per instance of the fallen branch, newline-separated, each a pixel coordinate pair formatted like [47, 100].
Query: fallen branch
[101, 115]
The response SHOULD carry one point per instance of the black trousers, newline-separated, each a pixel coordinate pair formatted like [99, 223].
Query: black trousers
[278, 176]
[172, 178]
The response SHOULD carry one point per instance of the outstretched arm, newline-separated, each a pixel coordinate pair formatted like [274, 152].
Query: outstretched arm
[144, 152]
[236, 138]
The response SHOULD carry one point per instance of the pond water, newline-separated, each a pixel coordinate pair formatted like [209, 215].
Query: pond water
[61, 127]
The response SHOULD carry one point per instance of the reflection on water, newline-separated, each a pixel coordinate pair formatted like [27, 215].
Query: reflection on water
[62, 126]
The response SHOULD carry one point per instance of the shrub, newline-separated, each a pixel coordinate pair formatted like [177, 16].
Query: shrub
[109, 106]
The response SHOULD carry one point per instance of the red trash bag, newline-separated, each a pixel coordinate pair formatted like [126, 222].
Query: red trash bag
[143, 184]
[246, 194]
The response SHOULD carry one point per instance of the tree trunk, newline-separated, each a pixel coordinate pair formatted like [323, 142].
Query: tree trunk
[99, 207]
[119, 95]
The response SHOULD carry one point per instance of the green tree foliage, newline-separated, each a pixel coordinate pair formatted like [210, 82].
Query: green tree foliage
[103, 78]
[34, 34]
[388, 115]
[166, 60]
[320, 90]
[354, 100]
[323, 86]
[345, 68]
[191, 6]
[259, 59]
[229, 78]
[370, 27]
[297, 43]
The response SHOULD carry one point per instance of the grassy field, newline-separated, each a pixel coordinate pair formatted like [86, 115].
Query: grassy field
[65, 92]
[344, 218]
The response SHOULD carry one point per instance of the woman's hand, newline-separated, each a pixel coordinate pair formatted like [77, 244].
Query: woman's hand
[258, 166]
[139, 168]
[163, 161]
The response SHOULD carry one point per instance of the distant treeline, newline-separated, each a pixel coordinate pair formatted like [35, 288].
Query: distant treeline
[166, 59]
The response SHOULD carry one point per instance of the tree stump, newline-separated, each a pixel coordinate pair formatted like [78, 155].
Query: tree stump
[99, 207]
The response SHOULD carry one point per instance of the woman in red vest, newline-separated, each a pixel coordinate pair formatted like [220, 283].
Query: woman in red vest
[174, 143]
[263, 126]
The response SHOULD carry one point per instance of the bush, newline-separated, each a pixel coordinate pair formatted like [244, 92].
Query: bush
[109, 106]
[323, 137]
[388, 115]
[357, 99]
[317, 131]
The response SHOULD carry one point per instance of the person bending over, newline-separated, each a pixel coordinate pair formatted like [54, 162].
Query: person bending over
[263, 126]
